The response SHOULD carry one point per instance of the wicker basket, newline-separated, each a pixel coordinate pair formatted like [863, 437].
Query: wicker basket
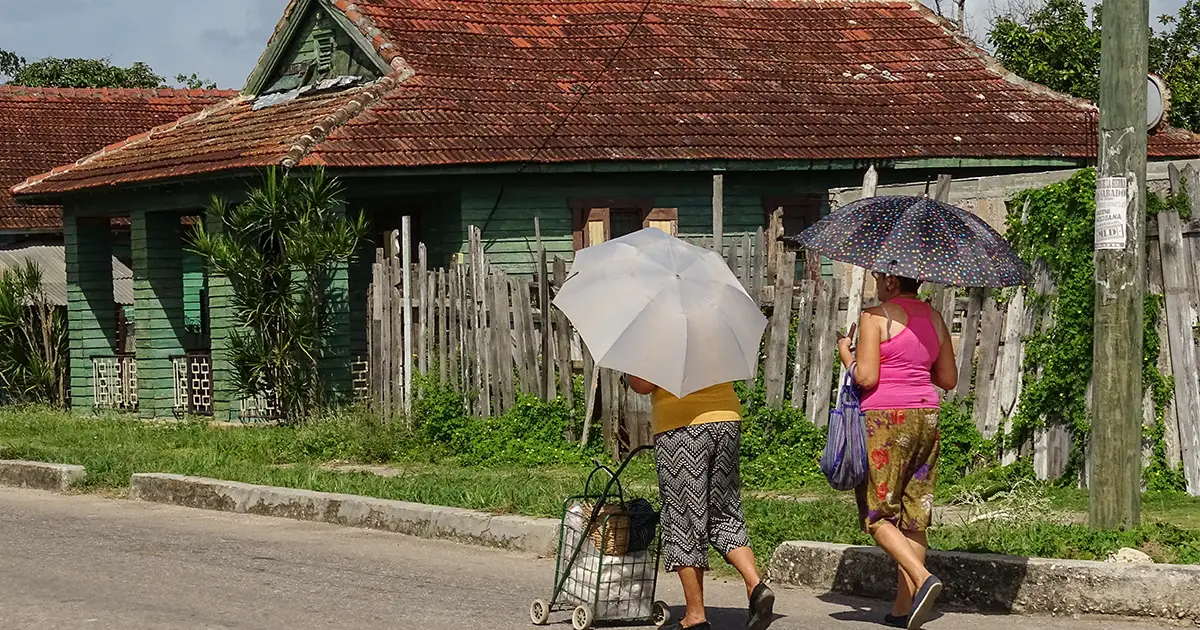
[614, 539]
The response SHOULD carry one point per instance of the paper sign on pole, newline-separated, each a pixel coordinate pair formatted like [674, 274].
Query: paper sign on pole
[1112, 210]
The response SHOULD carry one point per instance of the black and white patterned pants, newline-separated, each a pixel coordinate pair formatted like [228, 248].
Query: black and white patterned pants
[700, 489]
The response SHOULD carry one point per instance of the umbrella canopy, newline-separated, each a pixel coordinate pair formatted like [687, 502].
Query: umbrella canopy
[918, 238]
[651, 305]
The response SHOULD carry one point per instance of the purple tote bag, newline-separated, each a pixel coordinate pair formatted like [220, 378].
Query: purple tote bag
[844, 461]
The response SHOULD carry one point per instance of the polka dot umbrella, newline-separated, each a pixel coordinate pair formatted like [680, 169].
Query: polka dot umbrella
[919, 238]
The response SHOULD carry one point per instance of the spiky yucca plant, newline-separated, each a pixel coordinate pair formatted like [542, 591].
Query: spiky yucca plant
[279, 250]
[33, 340]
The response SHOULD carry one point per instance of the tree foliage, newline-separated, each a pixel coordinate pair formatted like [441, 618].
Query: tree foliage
[33, 340]
[279, 250]
[87, 73]
[10, 63]
[1058, 45]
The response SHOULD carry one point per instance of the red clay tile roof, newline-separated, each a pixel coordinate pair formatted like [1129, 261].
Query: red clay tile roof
[41, 128]
[492, 81]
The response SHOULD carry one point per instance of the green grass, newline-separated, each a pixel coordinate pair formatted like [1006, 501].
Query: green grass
[112, 448]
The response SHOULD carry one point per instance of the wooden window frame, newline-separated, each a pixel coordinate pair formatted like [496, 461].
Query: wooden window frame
[584, 211]
[770, 204]
[809, 266]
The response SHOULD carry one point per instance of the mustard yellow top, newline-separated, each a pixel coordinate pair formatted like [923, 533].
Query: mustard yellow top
[718, 403]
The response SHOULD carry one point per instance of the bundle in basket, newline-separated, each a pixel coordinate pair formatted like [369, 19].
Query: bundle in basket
[629, 530]
[609, 529]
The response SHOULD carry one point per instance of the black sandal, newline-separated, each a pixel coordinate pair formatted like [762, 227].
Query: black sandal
[762, 608]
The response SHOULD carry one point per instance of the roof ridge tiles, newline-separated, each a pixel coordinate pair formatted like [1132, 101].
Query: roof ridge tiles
[308, 142]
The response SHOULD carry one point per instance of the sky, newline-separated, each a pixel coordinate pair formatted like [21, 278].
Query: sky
[220, 40]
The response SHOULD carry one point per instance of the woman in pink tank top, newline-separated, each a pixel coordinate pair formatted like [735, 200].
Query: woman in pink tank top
[904, 354]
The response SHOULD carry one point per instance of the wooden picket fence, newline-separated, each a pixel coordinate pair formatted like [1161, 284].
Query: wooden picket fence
[492, 335]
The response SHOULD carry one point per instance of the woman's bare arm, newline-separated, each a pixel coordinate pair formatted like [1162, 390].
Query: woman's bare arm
[866, 373]
[640, 386]
[945, 369]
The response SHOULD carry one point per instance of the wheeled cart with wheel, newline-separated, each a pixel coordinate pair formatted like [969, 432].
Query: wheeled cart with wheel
[607, 569]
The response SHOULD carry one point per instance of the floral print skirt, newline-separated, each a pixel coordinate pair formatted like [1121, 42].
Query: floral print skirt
[902, 446]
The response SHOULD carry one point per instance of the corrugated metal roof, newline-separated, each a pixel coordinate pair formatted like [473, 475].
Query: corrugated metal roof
[53, 263]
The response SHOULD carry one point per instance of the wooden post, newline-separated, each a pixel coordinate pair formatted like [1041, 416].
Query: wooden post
[804, 323]
[502, 318]
[528, 344]
[774, 371]
[563, 331]
[396, 297]
[453, 334]
[967, 339]
[421, 294]
[1181, 319]
[820, 374]
[406, 273]
[1008, 372]
[546, 384]
[989, 352]
[747, 263]
[442, 304]
[480, 299]
[381, 349]
[858, 275]
[757, 273]
[591, 381]
[718, 210]
[1115, 490]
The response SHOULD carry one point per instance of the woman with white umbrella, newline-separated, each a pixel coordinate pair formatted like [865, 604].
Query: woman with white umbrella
[674, 318]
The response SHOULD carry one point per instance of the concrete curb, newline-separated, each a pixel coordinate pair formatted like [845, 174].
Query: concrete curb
[539, 536]
[988, 583]
[40, 476]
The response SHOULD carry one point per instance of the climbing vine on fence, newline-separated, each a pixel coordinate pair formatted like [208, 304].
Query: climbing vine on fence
[1159, 475]
[1059, 229]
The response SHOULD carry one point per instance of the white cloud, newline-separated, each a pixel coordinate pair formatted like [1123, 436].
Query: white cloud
[217, 39]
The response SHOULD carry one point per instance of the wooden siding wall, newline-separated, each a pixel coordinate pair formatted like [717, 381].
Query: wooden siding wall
[91, 314]
[158, 293]
[508, 235]
[348, 59]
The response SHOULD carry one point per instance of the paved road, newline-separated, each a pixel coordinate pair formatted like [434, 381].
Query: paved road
[93, 563]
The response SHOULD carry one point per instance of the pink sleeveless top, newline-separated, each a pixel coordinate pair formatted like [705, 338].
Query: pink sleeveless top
[905, 361]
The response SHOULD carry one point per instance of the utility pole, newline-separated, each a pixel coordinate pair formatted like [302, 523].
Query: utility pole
[1116, 480]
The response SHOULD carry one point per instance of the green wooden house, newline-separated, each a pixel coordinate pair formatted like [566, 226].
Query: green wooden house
[598, 118]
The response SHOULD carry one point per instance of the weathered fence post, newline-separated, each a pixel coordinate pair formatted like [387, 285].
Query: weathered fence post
[718, 213]
[777, 336]
[546, 382]
[1181, 321]
[406, 274]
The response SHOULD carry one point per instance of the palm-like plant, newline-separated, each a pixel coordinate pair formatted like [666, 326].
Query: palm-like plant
[33, 340]
[279, 250]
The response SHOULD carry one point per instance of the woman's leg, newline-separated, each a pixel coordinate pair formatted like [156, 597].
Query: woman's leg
[692, 579]
[726, 520]
[684, 518]
[905, 588]
[897, 545]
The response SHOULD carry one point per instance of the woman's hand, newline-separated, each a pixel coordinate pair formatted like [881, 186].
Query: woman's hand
[846, 345]
[640, 386]
[847, 340]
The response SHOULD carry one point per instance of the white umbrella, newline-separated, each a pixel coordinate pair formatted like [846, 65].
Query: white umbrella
[651, 305]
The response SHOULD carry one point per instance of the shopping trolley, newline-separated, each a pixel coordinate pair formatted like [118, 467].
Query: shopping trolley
[608, 551]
